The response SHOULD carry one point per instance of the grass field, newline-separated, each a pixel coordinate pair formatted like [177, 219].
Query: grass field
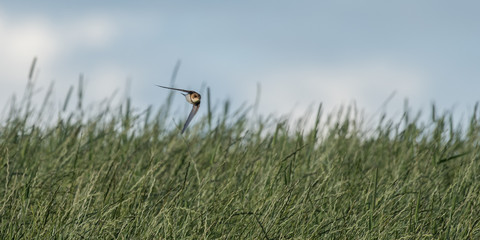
[122, 173]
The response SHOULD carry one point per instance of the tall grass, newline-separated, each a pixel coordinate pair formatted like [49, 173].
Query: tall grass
[122, 173]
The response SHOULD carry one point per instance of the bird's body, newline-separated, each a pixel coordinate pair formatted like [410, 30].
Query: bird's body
[192, 98]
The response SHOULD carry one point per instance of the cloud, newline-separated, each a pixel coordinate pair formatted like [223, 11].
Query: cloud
[368, 84]
[54, 43]
[90, 31]
[103, 83]
[20, 41]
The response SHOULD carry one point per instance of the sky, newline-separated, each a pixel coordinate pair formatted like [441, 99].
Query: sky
[300, 53]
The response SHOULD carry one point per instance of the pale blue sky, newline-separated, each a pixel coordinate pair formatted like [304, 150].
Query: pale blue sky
[301, 52]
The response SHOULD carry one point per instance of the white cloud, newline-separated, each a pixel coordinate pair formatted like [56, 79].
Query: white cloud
[20, 42]
[368, 84]
[104, 82]
[21, 39]
[91, 31]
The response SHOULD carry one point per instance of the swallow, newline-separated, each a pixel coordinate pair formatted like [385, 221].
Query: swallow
[192, 98]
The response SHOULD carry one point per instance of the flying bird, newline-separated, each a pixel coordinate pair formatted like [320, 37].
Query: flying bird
[193, 98]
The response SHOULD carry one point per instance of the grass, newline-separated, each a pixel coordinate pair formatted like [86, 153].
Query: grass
[121, 173]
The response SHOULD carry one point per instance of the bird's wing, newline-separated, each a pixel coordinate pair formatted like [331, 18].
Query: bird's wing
[178, 89]
[190, 116]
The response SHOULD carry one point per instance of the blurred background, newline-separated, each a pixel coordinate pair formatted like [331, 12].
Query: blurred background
[300, 53]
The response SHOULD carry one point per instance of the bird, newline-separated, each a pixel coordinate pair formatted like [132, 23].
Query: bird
[192, 98]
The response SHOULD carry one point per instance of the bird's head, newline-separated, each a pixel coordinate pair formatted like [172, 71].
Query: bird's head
[195, 97]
